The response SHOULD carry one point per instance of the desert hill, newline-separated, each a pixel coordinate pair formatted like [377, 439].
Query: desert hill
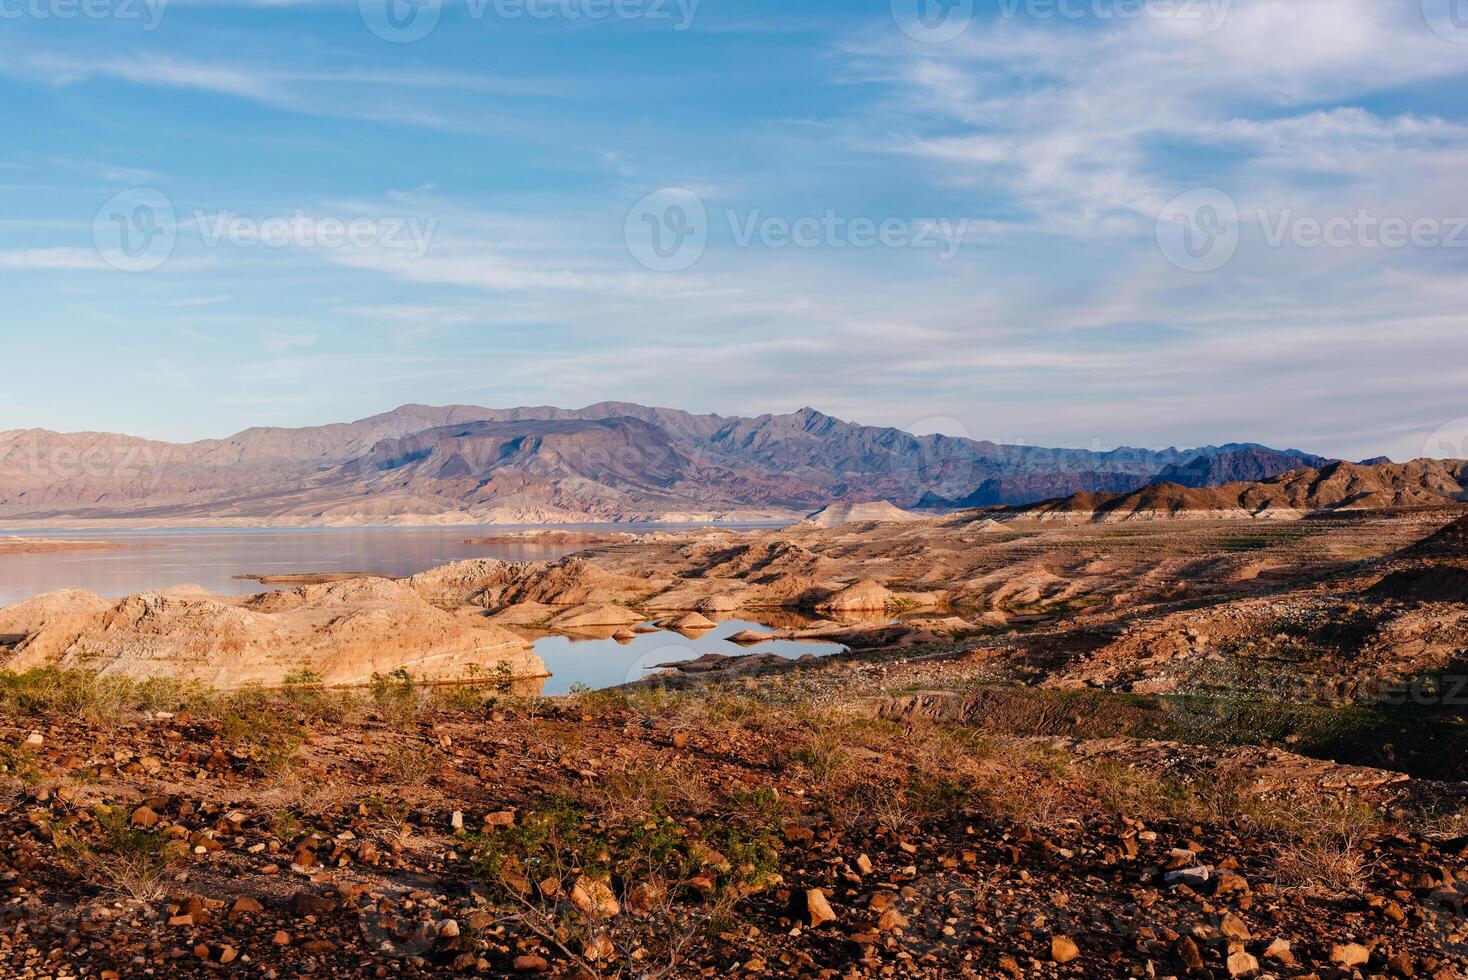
[878, 512]
[1339, 486]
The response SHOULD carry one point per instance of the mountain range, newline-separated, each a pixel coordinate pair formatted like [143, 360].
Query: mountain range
[1424, 483]
[609, 462]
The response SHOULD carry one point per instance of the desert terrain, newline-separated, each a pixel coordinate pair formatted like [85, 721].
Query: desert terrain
[1182, 732]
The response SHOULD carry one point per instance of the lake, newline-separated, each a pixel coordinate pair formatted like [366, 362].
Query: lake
[600, 664]
[213, 558]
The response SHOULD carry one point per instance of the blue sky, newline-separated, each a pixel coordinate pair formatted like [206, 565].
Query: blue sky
[498, 171]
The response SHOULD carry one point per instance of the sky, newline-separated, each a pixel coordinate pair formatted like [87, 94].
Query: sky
[1078, 223]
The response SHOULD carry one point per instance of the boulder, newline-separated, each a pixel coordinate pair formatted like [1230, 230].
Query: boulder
[691, 623]
[583, 617]
[864, 596]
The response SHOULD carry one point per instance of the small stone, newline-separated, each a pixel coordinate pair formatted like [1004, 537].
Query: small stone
[864, 865]
[305, 903]
[530, 963]
[1192, 877]
[594, 898]
[1187, 951]
[1401, 965]
[1063, 949]
[1349, 954]
[281, 938]
[892, 920]
[1241, 964]
[1279, 950]
[145, 818]
[1235, 928]
[1226, 883]
[35, 740]
[502, 818]
[817, 909]
[598, 949]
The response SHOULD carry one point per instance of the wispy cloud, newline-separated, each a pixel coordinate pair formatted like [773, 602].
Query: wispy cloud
[59, 259]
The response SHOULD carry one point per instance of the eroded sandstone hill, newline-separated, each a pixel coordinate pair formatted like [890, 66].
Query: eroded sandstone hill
[338, 634]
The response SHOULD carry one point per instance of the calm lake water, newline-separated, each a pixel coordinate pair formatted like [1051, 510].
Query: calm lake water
[212, 558]
[601, 664]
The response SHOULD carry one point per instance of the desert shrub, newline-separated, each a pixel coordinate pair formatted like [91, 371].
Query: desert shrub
[397, 697]
[117, 857]
[85, 695]
[412, 764]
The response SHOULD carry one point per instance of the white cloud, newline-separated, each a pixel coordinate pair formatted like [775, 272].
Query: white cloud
[66, 259]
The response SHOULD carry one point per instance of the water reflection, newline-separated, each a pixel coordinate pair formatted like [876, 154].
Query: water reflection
[600, 661]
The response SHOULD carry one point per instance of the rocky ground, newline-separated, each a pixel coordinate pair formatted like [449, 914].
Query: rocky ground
[1202, 749]
[775, 830]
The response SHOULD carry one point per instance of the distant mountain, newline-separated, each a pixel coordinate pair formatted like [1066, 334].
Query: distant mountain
[1036, 486]
[611, 461]
[1249, 463]
[1336, 487]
